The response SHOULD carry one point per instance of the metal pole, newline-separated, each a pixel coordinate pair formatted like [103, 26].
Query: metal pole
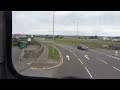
[53, 33]
[77, 32]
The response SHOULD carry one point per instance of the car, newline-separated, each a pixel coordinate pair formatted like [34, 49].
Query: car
[82, 47]
[22, 44]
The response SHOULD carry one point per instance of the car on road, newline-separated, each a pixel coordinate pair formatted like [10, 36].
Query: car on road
[22, 44]
[82, 47]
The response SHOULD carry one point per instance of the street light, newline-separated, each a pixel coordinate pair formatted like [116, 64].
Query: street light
[53, 33]
[76, 24]
[77, 32]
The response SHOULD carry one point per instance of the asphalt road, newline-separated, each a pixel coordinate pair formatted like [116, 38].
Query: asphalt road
[88, 64]
[91, 64]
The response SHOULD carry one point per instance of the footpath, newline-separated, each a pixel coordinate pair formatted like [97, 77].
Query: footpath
[43, 62]
[36, 58]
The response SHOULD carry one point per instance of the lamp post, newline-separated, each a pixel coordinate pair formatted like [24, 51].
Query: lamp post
[53, 33]
[77, 32]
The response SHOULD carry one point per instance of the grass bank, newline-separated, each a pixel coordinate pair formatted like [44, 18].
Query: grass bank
[52, 55]
[50, 50]
[93, 44]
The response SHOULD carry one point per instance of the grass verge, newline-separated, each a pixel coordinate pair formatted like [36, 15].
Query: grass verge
[92, 44]
[50, 50]
[50, 53]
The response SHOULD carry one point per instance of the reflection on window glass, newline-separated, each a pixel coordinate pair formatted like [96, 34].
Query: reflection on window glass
[66, 44]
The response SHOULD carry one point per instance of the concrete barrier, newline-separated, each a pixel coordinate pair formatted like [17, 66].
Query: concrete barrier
[30, 55]
[33, 53]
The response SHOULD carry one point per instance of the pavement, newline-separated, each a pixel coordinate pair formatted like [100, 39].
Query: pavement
[16, 51]
[91, 64]
[41, 62]
[27, 67]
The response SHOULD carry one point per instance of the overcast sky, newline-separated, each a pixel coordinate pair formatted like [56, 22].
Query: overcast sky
[101, 23]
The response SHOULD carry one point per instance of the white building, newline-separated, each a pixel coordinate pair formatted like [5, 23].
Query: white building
[116, 39]
[19, 36]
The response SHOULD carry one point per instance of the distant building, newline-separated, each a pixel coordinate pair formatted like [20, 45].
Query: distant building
[19, 36]
[105, 38]
[116, 39]
[109, 38]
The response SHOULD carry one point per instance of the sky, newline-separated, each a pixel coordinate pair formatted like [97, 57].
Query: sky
[101, 23]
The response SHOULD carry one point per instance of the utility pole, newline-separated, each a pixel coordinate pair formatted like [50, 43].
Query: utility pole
[77, 32]
[53, 33]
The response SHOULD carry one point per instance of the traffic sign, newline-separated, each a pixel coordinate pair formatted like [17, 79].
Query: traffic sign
[29, 39]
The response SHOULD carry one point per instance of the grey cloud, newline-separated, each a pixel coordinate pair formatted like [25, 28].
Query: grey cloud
[90, 22]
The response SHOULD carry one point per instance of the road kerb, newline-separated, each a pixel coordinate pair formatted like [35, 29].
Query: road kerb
[61, 62]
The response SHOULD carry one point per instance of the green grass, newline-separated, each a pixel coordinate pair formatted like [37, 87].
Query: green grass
[67, 41]
[73, 42]
[93, 44]
[50, 53]
[50, 50]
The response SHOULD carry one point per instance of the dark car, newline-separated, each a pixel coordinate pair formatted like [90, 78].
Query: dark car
[82, 47]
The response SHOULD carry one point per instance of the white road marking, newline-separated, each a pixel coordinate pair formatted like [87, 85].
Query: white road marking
[106, 55]
[86, 56]
[67, 57]
[116, 69]
[80, 60]
[102, 60]
[88, 72]
[74, 54]
[116, 53]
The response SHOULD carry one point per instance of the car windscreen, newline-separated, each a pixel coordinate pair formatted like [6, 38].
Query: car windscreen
[50, 40]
